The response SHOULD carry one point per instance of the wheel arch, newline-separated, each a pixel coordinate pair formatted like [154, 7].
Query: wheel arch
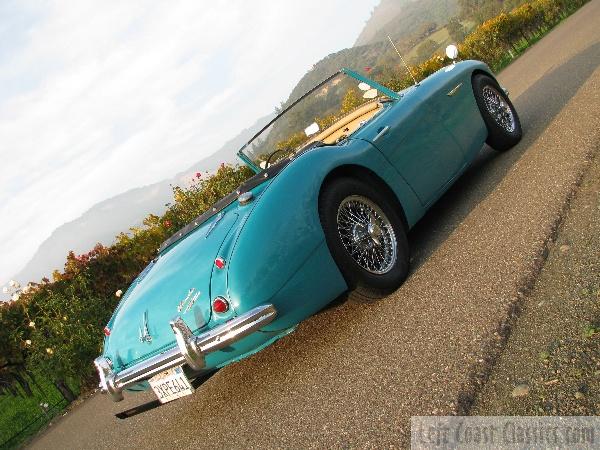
[498, 139]
[368, 176]
[480, 71]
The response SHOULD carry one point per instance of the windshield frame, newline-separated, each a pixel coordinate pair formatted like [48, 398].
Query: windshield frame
[386, 91]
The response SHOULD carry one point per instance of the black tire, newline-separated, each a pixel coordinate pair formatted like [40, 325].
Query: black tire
[336, 203]
[498, 113]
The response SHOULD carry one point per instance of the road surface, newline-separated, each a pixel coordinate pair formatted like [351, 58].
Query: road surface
[353, 375]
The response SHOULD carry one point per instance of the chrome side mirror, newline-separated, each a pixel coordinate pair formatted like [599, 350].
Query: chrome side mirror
[452, 52]
[311, 129]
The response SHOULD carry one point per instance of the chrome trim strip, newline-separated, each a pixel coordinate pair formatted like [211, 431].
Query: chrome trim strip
[144, 333]
[381, 133]
[454, 90]
[190, 350]
[214, 224]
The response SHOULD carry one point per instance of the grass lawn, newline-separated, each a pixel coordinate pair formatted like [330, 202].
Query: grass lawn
[23, 416]
[441, 37]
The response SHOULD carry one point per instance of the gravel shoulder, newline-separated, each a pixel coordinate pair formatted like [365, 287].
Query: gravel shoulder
[551, 362]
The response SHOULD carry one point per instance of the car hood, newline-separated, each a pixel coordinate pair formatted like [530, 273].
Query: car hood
[176, 283]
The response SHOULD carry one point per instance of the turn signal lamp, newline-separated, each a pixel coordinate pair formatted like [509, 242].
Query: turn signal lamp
[220, 305]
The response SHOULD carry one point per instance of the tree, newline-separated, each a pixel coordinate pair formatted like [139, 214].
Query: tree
[426, 49]
[456, 30]
[351, 100]
[479, 10]
[426, 29]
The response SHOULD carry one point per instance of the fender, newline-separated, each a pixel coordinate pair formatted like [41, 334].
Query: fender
[287, 211]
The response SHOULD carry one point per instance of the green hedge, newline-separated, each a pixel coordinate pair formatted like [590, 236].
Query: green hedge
[56, 326]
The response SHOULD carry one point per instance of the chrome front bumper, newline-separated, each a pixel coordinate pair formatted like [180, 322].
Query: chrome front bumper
[190, 350]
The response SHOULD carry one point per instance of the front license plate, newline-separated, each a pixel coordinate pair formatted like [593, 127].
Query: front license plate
[170, 385]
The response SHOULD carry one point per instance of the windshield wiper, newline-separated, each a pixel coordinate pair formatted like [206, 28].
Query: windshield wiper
[313, 144]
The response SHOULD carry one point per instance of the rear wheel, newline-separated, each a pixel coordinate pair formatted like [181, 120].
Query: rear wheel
[366, 237]
[498, 112]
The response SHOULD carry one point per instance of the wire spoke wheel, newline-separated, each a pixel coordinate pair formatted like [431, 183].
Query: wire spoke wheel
[367, 234]
[498, 108]
[498, 113]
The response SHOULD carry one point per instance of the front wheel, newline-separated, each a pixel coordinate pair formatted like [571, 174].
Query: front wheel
[498, 113]
[366, 237]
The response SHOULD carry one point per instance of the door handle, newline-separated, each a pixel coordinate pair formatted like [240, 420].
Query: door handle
[381, 133]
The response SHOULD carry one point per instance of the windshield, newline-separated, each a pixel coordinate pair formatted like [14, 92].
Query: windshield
[325, 115]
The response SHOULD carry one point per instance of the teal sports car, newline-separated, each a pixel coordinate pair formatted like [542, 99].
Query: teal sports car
[342, 174]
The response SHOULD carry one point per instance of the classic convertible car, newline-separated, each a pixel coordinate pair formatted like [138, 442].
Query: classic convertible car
[342, 174]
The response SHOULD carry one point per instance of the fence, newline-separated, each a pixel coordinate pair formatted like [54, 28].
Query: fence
[22, 416]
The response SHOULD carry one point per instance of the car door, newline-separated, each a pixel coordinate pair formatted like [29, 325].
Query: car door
[414, 139]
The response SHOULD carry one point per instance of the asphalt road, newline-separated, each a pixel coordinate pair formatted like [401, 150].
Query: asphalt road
[353, 375]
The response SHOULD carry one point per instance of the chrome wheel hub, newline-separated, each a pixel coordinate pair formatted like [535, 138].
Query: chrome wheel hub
[367, 234]
[498, 108]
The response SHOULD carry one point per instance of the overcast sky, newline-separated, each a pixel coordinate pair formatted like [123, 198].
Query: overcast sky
[100, 97]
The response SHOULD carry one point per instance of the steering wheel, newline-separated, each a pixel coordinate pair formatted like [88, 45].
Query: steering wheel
[273, 154]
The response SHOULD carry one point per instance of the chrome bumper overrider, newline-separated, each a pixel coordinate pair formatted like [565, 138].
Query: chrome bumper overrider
[190, 350]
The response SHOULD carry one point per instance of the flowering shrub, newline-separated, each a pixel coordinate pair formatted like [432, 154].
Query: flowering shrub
[57, 326]
[190, 202]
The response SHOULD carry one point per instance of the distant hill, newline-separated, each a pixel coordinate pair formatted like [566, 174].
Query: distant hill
[103, 221]
[407, 22]
[356, 58]
[385, 11]
[401, 18]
